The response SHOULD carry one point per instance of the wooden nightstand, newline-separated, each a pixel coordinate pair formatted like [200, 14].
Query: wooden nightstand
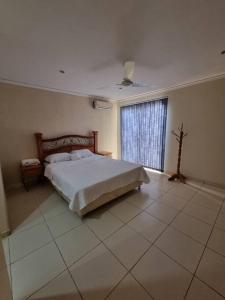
[31, 174]
[105, 153]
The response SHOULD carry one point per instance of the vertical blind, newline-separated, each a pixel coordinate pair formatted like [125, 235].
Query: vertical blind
[143, 133]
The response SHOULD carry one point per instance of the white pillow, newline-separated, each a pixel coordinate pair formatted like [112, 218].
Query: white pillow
[77, 154]
[57, 157]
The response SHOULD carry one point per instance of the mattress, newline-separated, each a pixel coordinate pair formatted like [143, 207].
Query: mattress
[85, 180]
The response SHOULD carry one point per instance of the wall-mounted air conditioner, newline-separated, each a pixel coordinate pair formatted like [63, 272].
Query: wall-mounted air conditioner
[101, 104]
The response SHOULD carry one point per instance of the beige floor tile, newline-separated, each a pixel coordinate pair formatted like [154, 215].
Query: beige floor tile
[42, 192]
[202, 213]
[164, 179]
[220, 222]
[161, 276]
[76, 243]
[63, 222]
[200, 291]
[154, 176]
[207, 200]
[193, 227]
[96, 269]
[163, 185]
[183, 190]
[19, 200]
[35, 270]
[23, 211]
[5, 288]
[127, 245]
[53, 206]
[181, 248]
[97, 273]
[147, 226]
[223, 207]
[217, 241]
[163, 212]
[212, 270]
[103, 223]
[129, 289]
[34, 218]
[124, 211]
[27, 241]
[174, 200]
[154, 191]
[139, 199]
[61, 288]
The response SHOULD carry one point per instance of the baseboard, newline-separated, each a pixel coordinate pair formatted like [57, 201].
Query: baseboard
[207, 187]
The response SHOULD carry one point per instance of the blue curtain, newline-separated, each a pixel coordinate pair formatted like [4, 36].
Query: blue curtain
[143, 133]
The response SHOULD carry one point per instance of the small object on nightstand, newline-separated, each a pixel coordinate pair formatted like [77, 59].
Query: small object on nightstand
[105, 153]
[30, 162]
[31, 173]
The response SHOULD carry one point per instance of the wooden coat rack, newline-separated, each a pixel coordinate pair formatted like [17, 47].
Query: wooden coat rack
[179, 138]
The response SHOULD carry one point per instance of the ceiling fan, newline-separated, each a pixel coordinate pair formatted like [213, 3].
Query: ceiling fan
[127, 81]
[128, 76]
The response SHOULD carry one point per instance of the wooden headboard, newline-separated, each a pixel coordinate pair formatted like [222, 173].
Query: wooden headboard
[65, 143]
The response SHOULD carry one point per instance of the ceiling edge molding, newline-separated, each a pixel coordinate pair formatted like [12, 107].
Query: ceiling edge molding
[122, 99]
[171, 88]
[45, 88]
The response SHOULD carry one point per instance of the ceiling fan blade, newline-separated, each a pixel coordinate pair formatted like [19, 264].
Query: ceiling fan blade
[129, 70]
[103, 87]
[140, 85]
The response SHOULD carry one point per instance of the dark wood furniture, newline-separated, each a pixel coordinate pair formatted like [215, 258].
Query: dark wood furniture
[31, 174]
[105, 153]
[65, 143]
[179, 138]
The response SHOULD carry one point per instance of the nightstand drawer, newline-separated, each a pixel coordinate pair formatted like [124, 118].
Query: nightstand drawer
[31, 174]
[32, 171]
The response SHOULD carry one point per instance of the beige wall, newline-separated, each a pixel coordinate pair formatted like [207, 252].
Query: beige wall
[24, 111]
[202, 109]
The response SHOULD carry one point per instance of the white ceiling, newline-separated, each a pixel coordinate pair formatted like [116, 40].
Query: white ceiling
[171, 42]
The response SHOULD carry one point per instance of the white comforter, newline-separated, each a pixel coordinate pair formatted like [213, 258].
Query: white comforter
[84, 180]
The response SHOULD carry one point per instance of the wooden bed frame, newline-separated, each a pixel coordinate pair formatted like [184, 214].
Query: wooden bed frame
[67, 143]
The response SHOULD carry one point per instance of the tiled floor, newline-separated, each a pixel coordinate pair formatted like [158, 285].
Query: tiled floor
[165, 242]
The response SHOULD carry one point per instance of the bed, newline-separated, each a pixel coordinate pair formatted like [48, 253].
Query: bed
[89, 182]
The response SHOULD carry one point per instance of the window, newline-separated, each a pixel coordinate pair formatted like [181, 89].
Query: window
[143, 132]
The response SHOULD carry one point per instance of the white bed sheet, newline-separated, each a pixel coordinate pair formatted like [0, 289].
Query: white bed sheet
[84, 180]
